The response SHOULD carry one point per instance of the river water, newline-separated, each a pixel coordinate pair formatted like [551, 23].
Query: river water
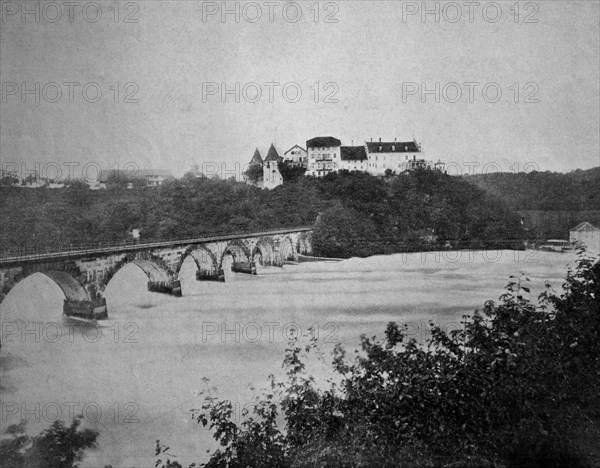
[136, 379]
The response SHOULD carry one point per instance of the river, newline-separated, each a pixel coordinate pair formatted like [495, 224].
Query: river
[136, 378]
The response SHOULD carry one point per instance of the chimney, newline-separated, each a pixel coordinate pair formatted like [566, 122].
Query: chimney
[371, 139]
[351, 142]
[379, 139]
[394, 140]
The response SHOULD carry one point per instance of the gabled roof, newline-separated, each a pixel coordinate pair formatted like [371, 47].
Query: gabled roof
[272, 155]
[353, 153]
[393, 147]
[585, 226]
[323, 142]
[257, 158]
[294, 147]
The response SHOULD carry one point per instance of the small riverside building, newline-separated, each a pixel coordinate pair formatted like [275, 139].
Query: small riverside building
[587, 235]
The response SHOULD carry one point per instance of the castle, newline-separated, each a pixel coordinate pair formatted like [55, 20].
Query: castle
[324, 155]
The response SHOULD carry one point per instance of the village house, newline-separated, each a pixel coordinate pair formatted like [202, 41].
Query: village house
[354, 158]
[152, 177]
[586, 235]
[296, 156]
[324, 156]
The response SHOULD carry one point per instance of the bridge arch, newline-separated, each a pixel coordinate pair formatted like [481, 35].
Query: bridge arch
[286, 249]
[238, 250]
[204, 258]
[264, 252]
[72, 288]
[303, 245]
[159, 274]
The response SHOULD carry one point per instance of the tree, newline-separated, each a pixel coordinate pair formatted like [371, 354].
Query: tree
[59, 446]
[342, 232]
[254, 173]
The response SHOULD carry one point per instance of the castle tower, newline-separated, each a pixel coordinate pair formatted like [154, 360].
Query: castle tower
[271, 175]
[253, 174]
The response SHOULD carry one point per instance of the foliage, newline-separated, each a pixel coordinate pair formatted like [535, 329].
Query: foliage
[59, 446]
[254, 173]
[344, 232]
[547, 191]
[290, 172]
[518, 386]
[422, 210]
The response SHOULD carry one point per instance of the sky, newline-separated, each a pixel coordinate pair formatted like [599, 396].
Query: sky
[484, 87]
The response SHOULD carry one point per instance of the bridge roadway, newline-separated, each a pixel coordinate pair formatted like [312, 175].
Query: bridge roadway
[83, 273]
[133, 247]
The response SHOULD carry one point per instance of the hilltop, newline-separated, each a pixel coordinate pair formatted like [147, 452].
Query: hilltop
[550, 202]
[355, 213]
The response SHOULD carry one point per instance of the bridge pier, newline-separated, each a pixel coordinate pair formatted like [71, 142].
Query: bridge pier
[204, 275]
[94, 309]
[244, 267]
[172, 288]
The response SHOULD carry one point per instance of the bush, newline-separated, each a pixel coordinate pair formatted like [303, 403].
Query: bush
[519, 385]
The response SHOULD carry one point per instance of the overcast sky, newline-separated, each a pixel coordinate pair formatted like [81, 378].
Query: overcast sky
[369, 67]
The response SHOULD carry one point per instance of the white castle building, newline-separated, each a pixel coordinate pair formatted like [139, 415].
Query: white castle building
[326, 155]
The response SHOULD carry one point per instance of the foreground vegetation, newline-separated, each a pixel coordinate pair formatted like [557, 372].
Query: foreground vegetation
[519, 386]
[356, 214]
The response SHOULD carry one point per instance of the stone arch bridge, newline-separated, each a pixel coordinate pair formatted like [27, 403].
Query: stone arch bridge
[83, 274]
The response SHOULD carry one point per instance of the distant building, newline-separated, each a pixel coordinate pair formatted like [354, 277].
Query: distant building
[195, 171]
[296, 156]
[397, 156]
[324, 156]
[587, 235]
[354, 158]
[152, 177]
[271, 175]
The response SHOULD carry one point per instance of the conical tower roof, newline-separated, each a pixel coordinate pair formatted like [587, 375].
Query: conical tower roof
[257, 158]
[272, 155]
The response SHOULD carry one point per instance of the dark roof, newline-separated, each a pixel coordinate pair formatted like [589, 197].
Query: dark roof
[323, 142]
[353, 153]
[106, 175]
[257, 158]
[293, 147]
[585, 226]
[393, 147]
[272, 155]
